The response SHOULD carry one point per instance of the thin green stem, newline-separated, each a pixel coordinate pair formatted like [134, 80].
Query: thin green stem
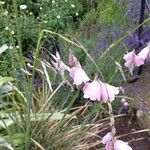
[29, 95]
[18, 28]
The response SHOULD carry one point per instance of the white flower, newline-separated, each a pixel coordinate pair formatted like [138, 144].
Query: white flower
[72, 5]
[3, 48]
[6, 13]
[2, 3]
[23, 7]
[17, 46]
[10, 47]
[12, 32]
[53, 1]
[58, 16]
[77, 14]
[6, 28]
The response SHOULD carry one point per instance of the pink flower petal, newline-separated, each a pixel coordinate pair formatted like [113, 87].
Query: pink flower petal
[120, 145]
[133, 60]
[107, 138]
[109, 92]
[78, 75]
[138, 61]
[128, 56]
[92, 90]
[109, 146]
[145, 53]
[98, 90]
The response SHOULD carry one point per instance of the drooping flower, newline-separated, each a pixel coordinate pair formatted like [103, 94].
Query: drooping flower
[97, 90]
[92, 90]
[120, 145]
[132, 60]
[78, 75]
[145, 53]
[107, 138]
[109, 92]
[113, 144]
[108, 141]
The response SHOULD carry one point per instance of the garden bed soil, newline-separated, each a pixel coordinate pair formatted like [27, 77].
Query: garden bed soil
[129, 130]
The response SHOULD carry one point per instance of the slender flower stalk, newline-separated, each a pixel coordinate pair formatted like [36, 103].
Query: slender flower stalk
[112, 120]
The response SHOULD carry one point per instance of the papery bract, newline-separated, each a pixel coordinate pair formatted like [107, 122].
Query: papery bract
[120, 145]
[72, 60]
[145, 53]
[97, 90]
[78, 75]
[59, 64]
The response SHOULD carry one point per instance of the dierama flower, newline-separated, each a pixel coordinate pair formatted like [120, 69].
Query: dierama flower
[132, 60]
[107, 138]
[120, 145]
[112, 144]
[97, 90]
[59, 64]
[78, 75]
[145, 53]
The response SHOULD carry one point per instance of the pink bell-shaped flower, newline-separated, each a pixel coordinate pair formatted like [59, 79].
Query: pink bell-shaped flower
[108, 92]
[145, 53]
[92, 90]
[97, 90]
[113, 144]
[78, 75]
[120, 145]
[133, 60]
[107, 138]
